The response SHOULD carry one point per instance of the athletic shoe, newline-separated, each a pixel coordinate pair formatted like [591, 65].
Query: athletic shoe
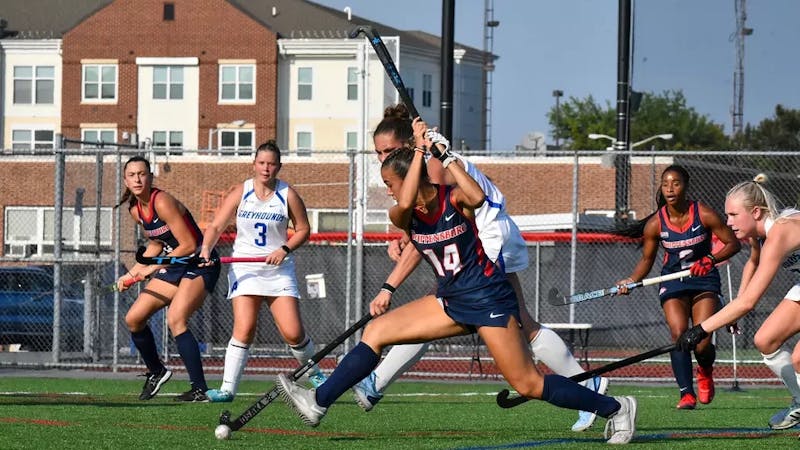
[193, 395]
[705, 385]
[154, 382]
[786, 418]
[586, 418]
[219, 396]
[302, 401]
[366, 394]
[688, 401]
[621, 427]
[317, 378]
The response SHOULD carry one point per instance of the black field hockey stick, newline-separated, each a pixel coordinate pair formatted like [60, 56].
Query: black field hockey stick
[504, 402]
[386, 59]
[555, 298]
[272, 394]
[187, 260]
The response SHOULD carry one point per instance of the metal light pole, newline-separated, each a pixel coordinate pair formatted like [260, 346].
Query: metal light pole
[558, 94]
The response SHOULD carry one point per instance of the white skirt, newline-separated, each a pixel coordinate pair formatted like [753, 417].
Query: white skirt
[263, 280]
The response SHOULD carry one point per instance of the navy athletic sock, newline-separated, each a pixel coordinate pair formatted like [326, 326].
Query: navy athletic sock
[707, 358]
[565, 393]
[146, 344]
[190, 353]
[353, 368]
[682, 369]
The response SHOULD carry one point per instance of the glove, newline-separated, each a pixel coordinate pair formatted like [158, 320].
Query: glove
[690, 338]
[702, 266]
[442, 154]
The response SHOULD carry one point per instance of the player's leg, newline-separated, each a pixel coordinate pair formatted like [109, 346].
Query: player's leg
[188, 298]
[513, 359]
[780, 325]
[245, 319]
[369, 391]
[676, 312]
[286, 312]
[420, 320]
[703, 307]
[146, 304]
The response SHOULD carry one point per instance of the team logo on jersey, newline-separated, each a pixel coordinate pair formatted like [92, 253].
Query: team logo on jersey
[664, 235]
[696, 228]
[448, 217]
[495, 316]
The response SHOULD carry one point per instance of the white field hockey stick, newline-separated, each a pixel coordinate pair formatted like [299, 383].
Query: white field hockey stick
[555, 298]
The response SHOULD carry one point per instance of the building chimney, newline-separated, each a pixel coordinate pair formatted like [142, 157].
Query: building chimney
[349, 13]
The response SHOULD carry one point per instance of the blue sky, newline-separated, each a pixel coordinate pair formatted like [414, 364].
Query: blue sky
[571, 45]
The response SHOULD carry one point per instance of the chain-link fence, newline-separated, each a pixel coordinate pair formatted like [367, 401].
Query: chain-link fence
[64, 247]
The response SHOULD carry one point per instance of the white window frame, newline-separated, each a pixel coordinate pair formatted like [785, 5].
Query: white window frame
[347, 145]
[34, 80]
[236, 149]
[172, 73]
[304, 151]
[237, 84]
[309, 84]
[32, 142]
[352, 83]
[376, 220]
[100, 132]
[35, 244]
[427, 90]
[100, 82]
[171, 149]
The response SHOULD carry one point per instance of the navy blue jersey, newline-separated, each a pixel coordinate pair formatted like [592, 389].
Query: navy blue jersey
[449, 242]
[157, 230]
[682, 247]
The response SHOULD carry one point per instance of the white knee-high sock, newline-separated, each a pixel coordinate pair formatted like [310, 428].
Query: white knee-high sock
[399, 359]
[235, 361]
[553, 352]
[780, 363]
[303, 352]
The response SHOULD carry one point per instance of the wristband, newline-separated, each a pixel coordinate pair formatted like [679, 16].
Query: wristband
[388, 288]
[286, 249]
[419, 149]
[713, 259]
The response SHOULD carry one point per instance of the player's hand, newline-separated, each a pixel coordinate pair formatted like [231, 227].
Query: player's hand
[395, 249]
[622, 286]
[126, 281]
[702, 266]
[438, 140]
[276, 257]
[734, 328]
[205, 257]
[380, 304]
[690, 338]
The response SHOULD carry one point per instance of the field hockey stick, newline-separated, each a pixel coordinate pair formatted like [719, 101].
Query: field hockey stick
[555, 298]
[186, 260]
[126, 283]
[504, 402]
[266, 399]
[386, 59]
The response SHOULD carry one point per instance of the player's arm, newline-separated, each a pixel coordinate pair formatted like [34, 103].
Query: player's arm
[400, 213]
[299, 218]
[649, 251]
[751, 265]
[409, 260]
[171, 211]
[712, 221]
[222, 217]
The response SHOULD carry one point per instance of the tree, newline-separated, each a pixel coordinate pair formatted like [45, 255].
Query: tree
[780, 132]
[657, 114]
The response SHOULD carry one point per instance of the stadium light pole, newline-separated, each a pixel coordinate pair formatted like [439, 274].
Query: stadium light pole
[557, 94]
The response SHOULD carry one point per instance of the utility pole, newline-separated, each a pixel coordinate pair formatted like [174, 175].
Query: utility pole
[737, 110]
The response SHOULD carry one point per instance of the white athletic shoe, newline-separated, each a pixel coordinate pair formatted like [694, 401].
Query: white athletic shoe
[366, 394]
[302, 401]
[621, 427]
[786, 418]
[586, 418]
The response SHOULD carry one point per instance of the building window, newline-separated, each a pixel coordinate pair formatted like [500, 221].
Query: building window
[236, 83]
[427, 90]
[30, 139]
[351, 141]
[169, 11]
[322, 220]
[99, 82]
[167, 82]
[34, 84]
[304, 83]
[94, 137]
[410, 91]
[172, 141]
[29, 230]
[236, 142]
[303, 143]
[352, 83]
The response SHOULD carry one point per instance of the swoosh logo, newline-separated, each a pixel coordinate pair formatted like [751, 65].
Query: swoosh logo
[495, 316]
[447, 218]
[696, 228]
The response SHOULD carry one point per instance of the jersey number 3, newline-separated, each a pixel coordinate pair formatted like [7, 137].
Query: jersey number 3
[261, 234]
[451, 261]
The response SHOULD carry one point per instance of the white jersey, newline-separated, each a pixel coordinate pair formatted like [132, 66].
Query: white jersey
[261, 228]
[792, 262]
[496, 230]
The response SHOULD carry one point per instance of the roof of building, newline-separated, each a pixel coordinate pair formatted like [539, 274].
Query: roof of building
[292, 19]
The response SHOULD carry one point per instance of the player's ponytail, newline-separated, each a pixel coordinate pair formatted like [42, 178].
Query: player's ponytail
[754, 195]
[396, 122]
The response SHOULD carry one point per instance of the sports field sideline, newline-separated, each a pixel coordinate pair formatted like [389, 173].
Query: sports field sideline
[45, 410]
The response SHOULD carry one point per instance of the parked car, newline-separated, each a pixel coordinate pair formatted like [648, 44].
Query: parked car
[26, 310]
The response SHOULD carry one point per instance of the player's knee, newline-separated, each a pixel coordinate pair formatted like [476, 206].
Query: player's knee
[764, 343]
[133, 322]
[377, 333]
